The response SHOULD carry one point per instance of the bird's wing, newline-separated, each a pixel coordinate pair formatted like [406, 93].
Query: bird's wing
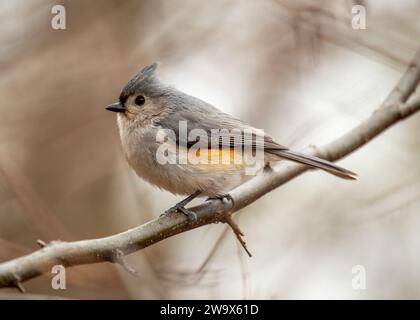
[222, 130]
[199, 115]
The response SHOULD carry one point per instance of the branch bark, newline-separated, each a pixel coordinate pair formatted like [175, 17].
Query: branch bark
[396, 107]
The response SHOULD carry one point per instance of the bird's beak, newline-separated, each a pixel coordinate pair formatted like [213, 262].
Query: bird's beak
[116, 107]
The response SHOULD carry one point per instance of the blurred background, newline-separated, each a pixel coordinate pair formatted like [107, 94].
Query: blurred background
[295, 68]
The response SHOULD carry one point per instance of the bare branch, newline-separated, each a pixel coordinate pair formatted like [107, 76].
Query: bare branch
[396, 107]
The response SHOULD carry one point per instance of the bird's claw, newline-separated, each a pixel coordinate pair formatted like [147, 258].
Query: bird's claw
[192, 216]
[222, 197]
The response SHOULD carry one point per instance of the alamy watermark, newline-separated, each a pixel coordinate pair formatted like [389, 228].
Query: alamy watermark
[58, 21]
[221, 147]
[58, 282]
[358, 281]
[358, 22]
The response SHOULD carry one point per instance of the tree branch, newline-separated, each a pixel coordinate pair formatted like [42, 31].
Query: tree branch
[397, 106]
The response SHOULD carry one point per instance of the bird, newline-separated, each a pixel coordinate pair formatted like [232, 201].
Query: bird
[164, 130]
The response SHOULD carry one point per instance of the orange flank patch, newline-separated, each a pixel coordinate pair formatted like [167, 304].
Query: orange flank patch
[218, 159]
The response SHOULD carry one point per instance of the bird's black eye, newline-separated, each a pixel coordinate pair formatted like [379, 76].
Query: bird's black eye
[139, 100]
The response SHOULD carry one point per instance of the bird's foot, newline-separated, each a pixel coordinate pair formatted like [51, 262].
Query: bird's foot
[192, 216]
[222, 197]
[180, 207]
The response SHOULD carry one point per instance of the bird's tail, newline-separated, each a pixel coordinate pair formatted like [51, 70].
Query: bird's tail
[315, 162]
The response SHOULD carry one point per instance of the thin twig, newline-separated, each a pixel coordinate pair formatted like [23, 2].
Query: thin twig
[238, 233]
[118, 257]
[41, 243]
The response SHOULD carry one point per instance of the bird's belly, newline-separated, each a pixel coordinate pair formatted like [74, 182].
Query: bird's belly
[211, 182]
[177, 171]
[185, 178]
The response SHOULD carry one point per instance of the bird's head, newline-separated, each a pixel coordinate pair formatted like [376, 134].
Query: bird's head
[140, 98]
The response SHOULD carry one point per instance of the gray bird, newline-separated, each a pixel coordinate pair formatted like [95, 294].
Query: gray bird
[164, 131]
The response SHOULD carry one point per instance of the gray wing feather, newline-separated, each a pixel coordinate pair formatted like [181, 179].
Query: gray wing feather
[201, 115]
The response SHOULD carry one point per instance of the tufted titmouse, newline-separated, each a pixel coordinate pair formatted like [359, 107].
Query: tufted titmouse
[186, 146]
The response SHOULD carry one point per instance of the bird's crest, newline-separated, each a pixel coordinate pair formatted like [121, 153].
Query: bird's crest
[141, 81]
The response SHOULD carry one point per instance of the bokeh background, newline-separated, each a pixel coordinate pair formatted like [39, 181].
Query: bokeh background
[295, 68]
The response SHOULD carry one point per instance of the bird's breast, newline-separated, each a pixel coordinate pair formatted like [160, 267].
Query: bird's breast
[180, 170]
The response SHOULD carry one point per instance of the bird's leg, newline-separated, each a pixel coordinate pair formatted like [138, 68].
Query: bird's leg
[180, 207]
[222, 197]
